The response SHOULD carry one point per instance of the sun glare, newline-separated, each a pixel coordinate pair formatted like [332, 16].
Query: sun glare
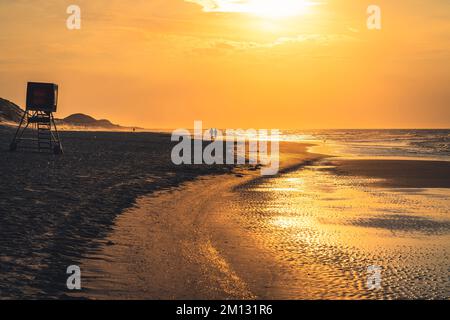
[263, 8]
[277, 8]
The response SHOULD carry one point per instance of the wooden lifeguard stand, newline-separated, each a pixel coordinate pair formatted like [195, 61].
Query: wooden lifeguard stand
[42, 101]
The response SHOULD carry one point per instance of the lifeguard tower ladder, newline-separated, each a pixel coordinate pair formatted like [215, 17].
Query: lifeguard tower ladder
[42, 99]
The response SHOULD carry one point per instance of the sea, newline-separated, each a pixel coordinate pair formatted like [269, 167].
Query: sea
[430, 144]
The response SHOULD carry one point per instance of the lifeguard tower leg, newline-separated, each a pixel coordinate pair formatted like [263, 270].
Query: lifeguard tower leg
[18, 134]
[57, 149]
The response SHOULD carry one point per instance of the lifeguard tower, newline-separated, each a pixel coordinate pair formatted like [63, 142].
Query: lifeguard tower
[42, 101]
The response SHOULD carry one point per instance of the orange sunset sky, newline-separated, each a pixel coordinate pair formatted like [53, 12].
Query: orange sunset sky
[267, 64]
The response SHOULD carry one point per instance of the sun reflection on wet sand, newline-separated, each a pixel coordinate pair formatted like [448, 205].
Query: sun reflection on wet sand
[333, 228]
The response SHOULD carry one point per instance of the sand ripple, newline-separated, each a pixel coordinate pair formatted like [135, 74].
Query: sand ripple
[329, 230]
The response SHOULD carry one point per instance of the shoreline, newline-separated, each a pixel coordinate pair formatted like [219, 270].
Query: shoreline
[182, 230]
[146, 259]
[181, 244]
[58, 206]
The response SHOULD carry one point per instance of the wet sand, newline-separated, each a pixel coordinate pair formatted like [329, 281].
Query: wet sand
[172, 244]
[311, 232]
[398, 173]
[325, 230]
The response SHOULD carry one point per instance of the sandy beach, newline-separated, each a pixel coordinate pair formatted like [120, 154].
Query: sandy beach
[142, 228]
[309, 233]
[52, 208]
[177, 245]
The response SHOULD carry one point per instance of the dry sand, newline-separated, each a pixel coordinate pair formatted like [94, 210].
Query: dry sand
[53, 207]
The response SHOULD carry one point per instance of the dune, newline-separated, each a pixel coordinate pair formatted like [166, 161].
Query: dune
[11, 114]
[9, 111]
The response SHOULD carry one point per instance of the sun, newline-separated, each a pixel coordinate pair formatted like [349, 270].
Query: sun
[273, 9]
[276, 8]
